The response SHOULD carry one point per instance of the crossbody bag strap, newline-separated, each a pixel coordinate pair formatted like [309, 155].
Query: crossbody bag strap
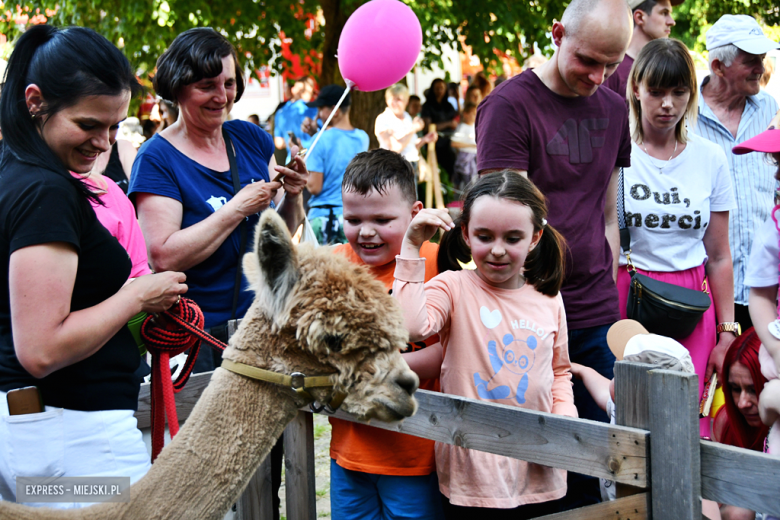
[242, 226]
[625, 234]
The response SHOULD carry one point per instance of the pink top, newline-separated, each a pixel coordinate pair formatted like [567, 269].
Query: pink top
[500, 345]
[118, 217]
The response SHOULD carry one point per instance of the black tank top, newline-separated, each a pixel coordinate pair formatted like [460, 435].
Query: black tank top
[114, 170]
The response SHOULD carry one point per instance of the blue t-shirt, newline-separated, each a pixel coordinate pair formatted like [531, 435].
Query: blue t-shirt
[331, 156]
[161, 169]
[289, 119]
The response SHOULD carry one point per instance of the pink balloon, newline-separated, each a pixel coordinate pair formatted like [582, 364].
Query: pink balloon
[379, 45]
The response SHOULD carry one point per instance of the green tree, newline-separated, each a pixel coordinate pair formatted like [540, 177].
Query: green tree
[144, 28]
[694, 17]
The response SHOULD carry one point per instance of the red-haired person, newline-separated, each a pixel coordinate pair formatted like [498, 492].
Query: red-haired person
[738, 422]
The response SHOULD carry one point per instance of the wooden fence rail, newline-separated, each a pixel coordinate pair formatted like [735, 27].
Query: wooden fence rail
[654, 452]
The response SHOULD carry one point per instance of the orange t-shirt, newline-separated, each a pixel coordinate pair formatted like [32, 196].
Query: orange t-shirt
[359, 447]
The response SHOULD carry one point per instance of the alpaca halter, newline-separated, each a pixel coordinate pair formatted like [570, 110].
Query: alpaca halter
[297, 381]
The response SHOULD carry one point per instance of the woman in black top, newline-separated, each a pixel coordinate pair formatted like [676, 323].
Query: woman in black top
[437, 110]
[64, 300]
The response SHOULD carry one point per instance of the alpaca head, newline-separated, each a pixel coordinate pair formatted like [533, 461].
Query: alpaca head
[325, 316]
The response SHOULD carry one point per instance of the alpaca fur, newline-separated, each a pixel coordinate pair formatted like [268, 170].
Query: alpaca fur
[313, 313]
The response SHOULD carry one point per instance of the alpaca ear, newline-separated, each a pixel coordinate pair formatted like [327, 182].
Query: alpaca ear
[272, 269]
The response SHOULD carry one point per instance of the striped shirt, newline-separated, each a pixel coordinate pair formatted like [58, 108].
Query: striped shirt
[752, 176]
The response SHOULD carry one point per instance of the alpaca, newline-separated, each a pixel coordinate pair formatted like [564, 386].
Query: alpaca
[313, 313]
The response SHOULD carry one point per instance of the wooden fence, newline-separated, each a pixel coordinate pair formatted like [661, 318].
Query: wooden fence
[657, 414]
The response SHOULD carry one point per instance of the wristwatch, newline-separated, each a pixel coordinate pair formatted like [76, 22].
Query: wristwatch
[729, 326]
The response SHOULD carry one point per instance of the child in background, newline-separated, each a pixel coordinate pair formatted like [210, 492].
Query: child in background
[378, 474]
[503, 330]
[465, 142]
[473, 95]
[630, 341]
[414, 106]
[762, 278]
[338, 144]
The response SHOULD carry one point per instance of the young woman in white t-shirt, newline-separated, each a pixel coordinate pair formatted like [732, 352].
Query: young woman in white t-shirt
[677, 196]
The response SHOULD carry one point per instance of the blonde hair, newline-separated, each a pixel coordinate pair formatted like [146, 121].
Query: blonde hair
[399, 89]
[663, 63]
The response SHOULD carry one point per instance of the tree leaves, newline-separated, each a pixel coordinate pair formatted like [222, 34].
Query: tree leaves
[144, 28]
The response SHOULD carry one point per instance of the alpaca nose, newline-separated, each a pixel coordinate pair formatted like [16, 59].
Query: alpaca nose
[409, 381]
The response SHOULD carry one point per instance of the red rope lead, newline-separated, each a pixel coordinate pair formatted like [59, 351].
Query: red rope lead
[167, 335]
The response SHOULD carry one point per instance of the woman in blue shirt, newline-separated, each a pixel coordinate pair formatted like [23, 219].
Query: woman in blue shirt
[190, 214]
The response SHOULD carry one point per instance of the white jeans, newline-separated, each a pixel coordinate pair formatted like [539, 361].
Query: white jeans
[68, 443]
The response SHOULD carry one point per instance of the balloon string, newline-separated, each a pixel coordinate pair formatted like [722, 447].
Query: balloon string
[325, 126]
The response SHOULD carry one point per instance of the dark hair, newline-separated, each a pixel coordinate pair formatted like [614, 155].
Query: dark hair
[377, 170]
[67, 65]
[413, 97]
[431, 89]
[545, 265]
[738, 432]
[172, 107]
[194, 54]
[646, 6]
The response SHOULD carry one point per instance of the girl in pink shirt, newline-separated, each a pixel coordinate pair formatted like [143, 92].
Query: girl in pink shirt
[503, 329]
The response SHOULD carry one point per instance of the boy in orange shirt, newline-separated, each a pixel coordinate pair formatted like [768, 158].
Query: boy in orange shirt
[378, 474]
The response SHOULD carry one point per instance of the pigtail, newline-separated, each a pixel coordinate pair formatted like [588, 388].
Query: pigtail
[452, 248]
[545, 266]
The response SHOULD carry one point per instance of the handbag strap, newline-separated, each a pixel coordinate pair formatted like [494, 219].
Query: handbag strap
[625, 234]
[242, 226]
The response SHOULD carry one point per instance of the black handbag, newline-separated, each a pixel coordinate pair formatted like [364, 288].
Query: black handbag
[663, 308]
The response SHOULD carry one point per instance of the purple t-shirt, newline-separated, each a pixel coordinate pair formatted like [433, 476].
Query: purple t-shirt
[569, 147]
[618, 81]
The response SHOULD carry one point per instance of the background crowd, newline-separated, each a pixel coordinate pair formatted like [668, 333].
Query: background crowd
[613, 137]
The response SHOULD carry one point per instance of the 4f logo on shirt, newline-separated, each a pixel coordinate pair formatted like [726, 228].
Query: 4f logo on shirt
[577, 141]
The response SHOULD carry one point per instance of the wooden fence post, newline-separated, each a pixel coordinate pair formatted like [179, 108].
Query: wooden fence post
[674, 445]
[255, 502]
[299, 468]
[632, 384]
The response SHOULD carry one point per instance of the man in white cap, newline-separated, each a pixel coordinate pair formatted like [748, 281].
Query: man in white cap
[733, 109]
[652, 20]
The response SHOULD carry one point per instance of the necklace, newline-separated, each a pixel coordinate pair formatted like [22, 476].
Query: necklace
[660, 168]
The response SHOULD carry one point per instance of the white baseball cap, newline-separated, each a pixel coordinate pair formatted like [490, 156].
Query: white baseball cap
[633, 4]
[630, 341]
[742, 31]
